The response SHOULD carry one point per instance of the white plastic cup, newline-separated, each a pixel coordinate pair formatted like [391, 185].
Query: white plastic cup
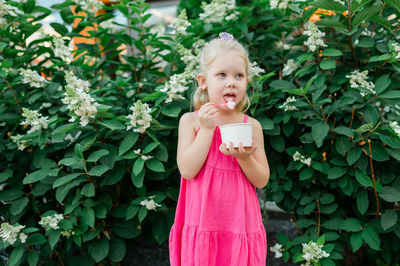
[235, 133]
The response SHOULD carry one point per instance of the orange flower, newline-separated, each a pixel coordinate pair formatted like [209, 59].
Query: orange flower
[324, 154]
[315, 17]
[345, 13]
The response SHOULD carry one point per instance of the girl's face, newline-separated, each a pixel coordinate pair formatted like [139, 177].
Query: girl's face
[226, 79]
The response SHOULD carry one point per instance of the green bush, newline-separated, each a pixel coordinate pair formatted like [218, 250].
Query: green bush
[321, 125]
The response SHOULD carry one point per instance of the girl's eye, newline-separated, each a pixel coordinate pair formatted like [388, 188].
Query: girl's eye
[239, 76]
[222, 75]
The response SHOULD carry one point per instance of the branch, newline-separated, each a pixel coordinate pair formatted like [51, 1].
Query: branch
[373, 179]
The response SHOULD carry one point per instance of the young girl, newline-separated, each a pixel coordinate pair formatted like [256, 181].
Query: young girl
[218, 219]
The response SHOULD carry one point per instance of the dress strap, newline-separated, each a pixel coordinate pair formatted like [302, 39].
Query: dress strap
[245, 118]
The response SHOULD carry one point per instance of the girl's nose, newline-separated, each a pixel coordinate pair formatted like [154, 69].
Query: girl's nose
[231, 84]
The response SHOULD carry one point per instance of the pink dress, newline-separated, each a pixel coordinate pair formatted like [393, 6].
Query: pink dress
[218, 218]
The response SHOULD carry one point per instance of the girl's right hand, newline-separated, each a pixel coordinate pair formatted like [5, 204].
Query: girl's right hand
[207, 114]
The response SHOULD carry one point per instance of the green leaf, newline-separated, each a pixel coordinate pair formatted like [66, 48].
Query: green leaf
[128, 142]
[88, 190]
[160, 230]
[54, 236]
[362, 202]
[336, 172]
[142, 214]
[61, 29]
[327, 198]
[155, 165]
[70, 161]
[18, 206]
[365, 14]
[126, 229]
[137, 180]
[266, 123]
[10, 194]
[282, 84]
[321, 240]
[356, 241]
[388, 219]
[370, 114]
[150, 147]
[138, 166]
[362, 178]
[327, 64]
[351, 225]
[382, 83]
[117, 250]
[332, 52]
[378, 58]
[36, 176]
[306, 173]
[381, 20]
[36, 239]
[330, 5]
[353, 155]
[278, 143]
[392, 142]
[390, 94]
[65, 179]
[16, 255]
[371, 237]
[131, 211]
[88, 217]
[99, 249]
[98, 170]
[390, 194]
[95, 156]
[364, 128]
[366, 42]
[394, 3]
[78, 151]
[319, 131]
[112, 124]
[6, 174]
[33, 257]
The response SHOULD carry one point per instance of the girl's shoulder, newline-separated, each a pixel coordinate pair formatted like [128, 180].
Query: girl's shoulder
[254, 122]
[189, 120]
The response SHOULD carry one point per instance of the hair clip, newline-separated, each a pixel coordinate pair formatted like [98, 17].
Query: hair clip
[226, 36]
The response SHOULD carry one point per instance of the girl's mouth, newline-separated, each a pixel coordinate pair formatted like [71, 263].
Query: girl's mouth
[229, 97]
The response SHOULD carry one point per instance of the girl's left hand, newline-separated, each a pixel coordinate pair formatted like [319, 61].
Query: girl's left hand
[240, 153]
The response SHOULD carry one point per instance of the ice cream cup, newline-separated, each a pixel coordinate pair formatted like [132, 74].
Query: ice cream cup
[235, 133]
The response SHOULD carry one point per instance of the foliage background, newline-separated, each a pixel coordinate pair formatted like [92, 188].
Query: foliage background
[92, 175]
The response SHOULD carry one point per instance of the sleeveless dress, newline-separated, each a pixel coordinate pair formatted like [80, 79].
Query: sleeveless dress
[218, 219]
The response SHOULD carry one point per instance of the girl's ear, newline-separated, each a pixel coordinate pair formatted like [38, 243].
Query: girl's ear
[201, 80]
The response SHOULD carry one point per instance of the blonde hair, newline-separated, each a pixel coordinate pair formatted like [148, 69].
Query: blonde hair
[209, 53]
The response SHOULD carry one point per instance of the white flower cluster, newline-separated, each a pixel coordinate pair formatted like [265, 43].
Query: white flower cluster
[281, 45]
[144, 157]
[34, 119]
[314, 40]
[280, 4]
[312, 252]
[359, 79]
[255, 70]
[91, 6]
[395, 47]
[277, 249]
[396, 128]
[20, 143]
[298, 157]
[180, 24]
[10, 233]
[286, 107]
[179, 83]
[63, 51]
[159, 30]
[32, 78]
[6, 9]
[340, 2]
[51, 221]
[218, 11]
[150, 203]
[78, 100]
[289, 67]
[140, 118]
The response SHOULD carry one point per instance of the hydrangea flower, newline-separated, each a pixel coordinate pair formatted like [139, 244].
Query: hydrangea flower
[90, 6]
[395, 126]
[298, 157]
[63, 51]
[6, 9]
[286, 107]
[395, 48]
[51, 221]
[9, 233]
[140, 118]
[180, 24]
[32, 78]
[218, 11]
[277, 249]
[34, 119]
[67, 233]
[20, 143]
[79, 102]
[359, 79]
[255, 70]
[314, 40]
[150, 204]
[280, 4]
[289, 67]
[312, 252]
[144, 157]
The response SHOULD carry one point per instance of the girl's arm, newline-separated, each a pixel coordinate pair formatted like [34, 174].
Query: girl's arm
[193, 149]
[253, 161]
